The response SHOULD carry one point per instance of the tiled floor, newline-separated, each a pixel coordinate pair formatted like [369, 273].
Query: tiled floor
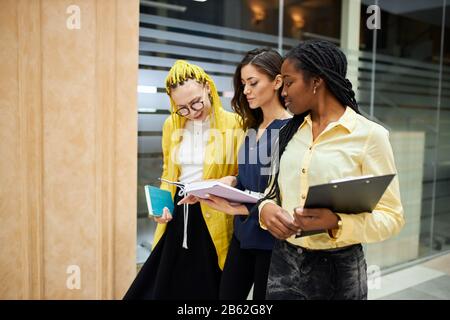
[427, 281]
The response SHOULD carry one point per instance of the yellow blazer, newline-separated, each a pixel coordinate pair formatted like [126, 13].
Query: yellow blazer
[220, 160]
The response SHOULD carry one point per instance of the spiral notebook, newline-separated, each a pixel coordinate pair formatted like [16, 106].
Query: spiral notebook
[202, 188]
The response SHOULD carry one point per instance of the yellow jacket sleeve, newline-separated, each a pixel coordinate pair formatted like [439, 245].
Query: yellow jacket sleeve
[167, 131]
[165, 144]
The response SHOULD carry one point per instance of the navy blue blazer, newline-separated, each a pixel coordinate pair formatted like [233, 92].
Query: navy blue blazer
[254, 169]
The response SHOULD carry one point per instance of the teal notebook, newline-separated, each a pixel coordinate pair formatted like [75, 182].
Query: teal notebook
[157, 199]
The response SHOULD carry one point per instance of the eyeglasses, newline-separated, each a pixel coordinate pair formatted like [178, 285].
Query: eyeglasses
[186, 110]
[196, 106]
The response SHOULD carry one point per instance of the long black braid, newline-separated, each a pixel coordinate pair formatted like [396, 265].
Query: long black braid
[312, 58]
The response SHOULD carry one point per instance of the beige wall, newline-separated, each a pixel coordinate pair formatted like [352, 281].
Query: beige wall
[68, 148]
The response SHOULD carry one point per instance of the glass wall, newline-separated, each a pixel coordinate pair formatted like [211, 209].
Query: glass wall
[312, 19]
[404, 83]
[400, 84]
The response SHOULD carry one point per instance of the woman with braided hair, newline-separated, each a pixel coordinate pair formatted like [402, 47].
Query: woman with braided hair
[326, 139]
[200, 142]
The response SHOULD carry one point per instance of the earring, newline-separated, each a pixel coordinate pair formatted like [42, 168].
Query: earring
[314, 90]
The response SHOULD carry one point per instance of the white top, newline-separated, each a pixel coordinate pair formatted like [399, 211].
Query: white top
[191, 153]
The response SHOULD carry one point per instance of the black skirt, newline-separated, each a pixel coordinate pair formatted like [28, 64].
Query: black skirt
[173, 272]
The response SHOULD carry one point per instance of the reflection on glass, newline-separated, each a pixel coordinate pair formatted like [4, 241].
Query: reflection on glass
[310, 19]
[411, 98]
[249, 15]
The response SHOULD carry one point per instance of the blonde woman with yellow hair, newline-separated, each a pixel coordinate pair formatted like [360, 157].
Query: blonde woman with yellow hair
[200, 142]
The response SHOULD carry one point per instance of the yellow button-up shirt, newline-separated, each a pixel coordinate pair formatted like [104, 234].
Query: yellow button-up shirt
[351, 146]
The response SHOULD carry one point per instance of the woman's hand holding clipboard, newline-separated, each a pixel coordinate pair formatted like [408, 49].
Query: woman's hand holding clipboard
[350, 195]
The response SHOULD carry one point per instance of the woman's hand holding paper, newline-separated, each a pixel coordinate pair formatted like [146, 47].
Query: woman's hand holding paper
[278, 221]
[224, 205]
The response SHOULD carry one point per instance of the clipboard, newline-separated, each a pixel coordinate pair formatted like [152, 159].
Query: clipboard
[351, 196]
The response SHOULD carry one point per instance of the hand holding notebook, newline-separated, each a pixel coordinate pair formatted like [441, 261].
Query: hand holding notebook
[202, 188]
[157, 200]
